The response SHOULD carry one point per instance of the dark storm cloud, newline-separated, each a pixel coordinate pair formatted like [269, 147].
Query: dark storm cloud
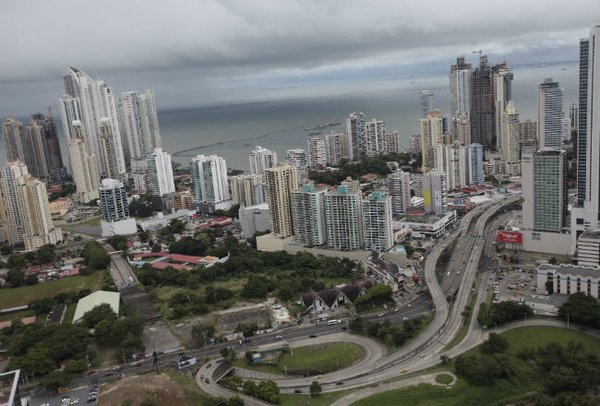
[214, 45]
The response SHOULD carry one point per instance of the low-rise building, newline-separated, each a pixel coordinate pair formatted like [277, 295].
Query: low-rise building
[97, 298]
[567, 279]
[427, 225]
[334, 297]
[254, 219]
[162, 220]
[588, 249]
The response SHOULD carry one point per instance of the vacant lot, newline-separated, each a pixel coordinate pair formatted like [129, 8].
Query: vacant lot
[311, 360]
[12, 297]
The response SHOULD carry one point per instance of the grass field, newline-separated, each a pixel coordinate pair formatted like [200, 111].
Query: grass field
[444, 379]
[323, 399]
[502, 391]
[314, 359]
[12, 297]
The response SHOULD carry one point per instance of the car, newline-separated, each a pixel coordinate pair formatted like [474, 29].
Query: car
[206, 380]
[312, 336]
[201, 376]
[208, 365]
[404, 318]
[409, 305]
[395, 310]
[279, 337]
[339, 383]
[297, 391]
[403, 370]
[380, 314]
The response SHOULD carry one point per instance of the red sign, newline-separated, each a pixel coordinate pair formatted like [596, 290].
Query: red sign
[511, 237]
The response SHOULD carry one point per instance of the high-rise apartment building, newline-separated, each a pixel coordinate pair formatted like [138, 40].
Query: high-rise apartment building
[85, 171]
[13, 136]
[355, 128]
[448, 159]
[551, 115]
[308, 215]
[482, 114]
[415, 143]
[114, 206]
[475, 176]
[502, 76]
[393, 142]
[343, 211]
[281, 180]
[317, 152]
[25, 218]
[510, 139]
[425, 103]
[34, 150]
[160, 179]
[399, 191]
[298, 158]
[432, 134]
[334, 147]
[527, 137]
[261, 159]
[244, 190]
[435, 192]
[93, 103]
[582, 121]
[51, 144]
[377, 222]
[209, 182]
[376, 137]
[462, 130]
[461, 77]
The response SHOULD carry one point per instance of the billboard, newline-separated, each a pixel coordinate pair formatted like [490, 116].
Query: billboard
[509, 237]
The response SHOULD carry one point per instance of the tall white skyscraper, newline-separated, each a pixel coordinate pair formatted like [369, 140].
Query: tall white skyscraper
[475, 175]
[24, 215]
[281, 180]
[588, 182]
[399, 190]
[375, 137]
[425, 103]
[503, 77]
[447, 159]
[298, 159]
[551, 114]
[85, 171]
[509, 139]
[93, 103]
[377, 222]
[435, 192]
[355, 130]
[308, 214]
[393, 142]
[432, 132]
[461, 77]
[334, 148]
[343, 211]
[114, 206]
[209, 181]
[160, 179]
[261, 159]
[317, 152]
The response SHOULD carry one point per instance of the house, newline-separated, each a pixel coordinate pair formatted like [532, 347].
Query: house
[334, 297]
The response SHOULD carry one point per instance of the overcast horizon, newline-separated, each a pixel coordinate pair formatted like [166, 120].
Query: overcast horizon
[231, 52]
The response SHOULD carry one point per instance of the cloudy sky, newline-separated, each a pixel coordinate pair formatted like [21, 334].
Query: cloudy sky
[212, 52]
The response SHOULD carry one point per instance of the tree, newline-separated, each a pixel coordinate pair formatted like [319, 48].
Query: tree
[31, 279]
[6, 249]
[15, 278]
[177, 226]
[581, 308]
[103, 332]
[228, 354]
[315, 388]
[549, 287]
[494, 344]
[16, 262]
[95, 256]
[201, 333]
[99, 313]
[47, 253]
[257, 287]
[118, 242]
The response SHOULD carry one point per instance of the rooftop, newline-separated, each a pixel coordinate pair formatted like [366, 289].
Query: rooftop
[574, 270]
[96, 299]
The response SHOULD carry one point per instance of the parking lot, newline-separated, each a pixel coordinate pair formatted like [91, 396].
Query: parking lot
[80, 396]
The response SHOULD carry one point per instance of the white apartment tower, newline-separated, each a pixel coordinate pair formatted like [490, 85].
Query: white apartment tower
[209, 181]
[334, 148]
[509, 139]
[317, 152]
[281, 180]
[461, 77]
[308, 215]
[551, 115]
[503, 77]
[244, 190]
[298, 159]
[399, 191]
[375, 138]
[393, 142]
[343, 212]
[355, 130]
[432, 133]
[425, 103]
[85, 171]
[377, 222]
[261, 159]
[115, 209]
[160, 178]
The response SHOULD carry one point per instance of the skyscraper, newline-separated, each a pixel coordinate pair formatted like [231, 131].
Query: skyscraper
[261, 159]
[502, 76]
[34, 150]
[510, 139]
[582, 122]
[281, 180]
[343, 211]
[209, 182]
[160, 179]
[399, 190]
[431, 131]
[244, 190]
[435, 192]
[375, 137]
[317, 153]
[447, 159]
[482, 114]
[114, 206]
[298, 159]
[85, 171]
[25, 218]
[93, 103]
[377, 222]
[355, 128]
[475, 162]
[393, 142]
[551, 115]
[334, 148]
[425, 103]
[13, 137]
[308, 215]
[51, 144]
[461, 77]
[527, 137]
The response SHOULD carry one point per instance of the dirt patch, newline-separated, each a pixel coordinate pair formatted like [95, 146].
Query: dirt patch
[159, 388]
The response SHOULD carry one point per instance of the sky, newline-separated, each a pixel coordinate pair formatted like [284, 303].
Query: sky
[199, 53]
